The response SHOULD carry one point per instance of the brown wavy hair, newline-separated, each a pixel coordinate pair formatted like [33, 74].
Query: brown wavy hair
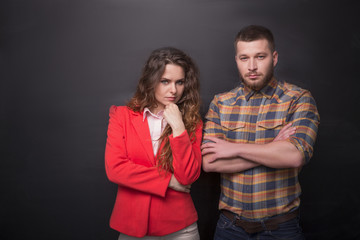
[189, 103]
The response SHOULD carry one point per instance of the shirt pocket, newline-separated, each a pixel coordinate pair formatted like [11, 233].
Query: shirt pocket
[271, 123]
[235, 130]
[268, 129]
[232, 125]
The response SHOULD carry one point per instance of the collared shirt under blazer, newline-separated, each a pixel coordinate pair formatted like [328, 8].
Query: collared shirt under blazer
[144, 203]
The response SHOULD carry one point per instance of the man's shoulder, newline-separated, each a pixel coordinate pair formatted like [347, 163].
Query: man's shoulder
[290, 90]
[229, 95]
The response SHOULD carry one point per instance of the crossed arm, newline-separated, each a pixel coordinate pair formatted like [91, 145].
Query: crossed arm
[226, 157]
[123, 171]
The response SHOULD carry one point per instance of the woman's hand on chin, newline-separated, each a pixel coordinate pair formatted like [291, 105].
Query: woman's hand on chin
[173, 117]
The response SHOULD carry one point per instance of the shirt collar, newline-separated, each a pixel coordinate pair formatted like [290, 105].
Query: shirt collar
[148, 112]
[268, 91]
[248, 93]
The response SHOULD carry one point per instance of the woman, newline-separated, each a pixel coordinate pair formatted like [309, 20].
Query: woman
[153, 151]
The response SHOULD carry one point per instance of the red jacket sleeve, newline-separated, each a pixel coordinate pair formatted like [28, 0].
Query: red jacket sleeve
[187, 156]
[119, 168]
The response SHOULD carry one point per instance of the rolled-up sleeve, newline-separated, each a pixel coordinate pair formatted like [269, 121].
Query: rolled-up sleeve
[304, 116]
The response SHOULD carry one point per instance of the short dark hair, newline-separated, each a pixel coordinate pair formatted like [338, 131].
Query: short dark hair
[255, 32]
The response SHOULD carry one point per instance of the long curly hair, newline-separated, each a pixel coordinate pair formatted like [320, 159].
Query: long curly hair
[189, 103]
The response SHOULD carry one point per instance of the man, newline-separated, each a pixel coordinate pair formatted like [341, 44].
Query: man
[258, 136]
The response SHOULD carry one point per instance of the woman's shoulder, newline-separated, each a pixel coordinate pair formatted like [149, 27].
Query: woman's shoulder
[199, 124]
[121, 110]
[114, 108]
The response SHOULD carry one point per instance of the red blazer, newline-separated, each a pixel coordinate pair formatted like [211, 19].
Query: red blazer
[144, 204]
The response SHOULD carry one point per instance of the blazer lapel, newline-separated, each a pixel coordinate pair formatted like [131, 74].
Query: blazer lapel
[143, 132]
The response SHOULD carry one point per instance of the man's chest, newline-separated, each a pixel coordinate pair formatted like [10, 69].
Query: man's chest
[253, 121]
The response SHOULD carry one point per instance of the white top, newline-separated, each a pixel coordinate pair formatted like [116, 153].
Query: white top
[157, 124]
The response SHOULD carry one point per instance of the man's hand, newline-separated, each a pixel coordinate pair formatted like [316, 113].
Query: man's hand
[174, 184]
[219, 148]
[285, 133]
[222, 149]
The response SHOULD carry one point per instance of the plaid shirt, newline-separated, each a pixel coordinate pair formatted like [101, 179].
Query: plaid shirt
[244, 116]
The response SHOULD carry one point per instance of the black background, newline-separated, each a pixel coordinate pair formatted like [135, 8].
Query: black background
[65, 62]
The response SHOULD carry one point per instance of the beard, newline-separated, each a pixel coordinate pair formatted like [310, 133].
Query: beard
[260, 83]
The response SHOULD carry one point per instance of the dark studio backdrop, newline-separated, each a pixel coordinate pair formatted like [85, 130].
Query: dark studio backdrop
[63, 63]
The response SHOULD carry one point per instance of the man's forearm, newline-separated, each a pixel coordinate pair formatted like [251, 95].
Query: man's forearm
[279, 154]
[231, 165]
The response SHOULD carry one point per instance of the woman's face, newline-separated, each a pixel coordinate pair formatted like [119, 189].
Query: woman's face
[170, 87]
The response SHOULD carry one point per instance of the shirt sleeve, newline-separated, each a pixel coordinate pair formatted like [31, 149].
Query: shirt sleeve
[120, 169]
[304, 116]
[187, 157]
[213, 124]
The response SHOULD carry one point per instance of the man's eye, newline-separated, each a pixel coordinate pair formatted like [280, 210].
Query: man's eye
[261, 57]
[243, 58]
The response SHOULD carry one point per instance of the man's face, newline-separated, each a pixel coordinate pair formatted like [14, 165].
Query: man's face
[255, 63]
